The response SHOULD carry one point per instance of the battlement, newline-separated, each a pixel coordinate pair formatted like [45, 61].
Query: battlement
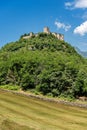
[46, 30]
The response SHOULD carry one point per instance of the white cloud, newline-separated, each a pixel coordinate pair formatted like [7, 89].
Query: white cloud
[81, 4]
[69, 5]
[76, 4]
[82, 29]
[62, 26]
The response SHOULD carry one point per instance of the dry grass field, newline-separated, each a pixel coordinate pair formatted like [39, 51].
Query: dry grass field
[19, 112]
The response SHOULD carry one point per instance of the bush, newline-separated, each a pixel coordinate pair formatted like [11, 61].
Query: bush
[55, 92]
[10, 87]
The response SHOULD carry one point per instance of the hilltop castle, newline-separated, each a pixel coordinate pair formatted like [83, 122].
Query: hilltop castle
[58, 35]
[46, 30]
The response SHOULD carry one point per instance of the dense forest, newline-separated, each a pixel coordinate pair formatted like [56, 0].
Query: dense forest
[44, 64]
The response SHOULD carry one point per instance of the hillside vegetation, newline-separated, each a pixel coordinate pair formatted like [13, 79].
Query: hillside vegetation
[44, 64]
[26, 113]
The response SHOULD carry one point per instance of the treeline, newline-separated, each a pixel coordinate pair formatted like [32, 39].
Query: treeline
[44, 64]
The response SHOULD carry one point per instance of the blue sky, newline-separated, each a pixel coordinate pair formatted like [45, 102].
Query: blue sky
[68, 17]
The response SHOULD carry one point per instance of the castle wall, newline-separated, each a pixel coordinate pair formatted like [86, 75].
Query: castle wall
[26, 37]
[59, 36]
[46, 30]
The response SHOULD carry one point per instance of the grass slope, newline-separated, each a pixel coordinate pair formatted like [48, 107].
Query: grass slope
[22, 113]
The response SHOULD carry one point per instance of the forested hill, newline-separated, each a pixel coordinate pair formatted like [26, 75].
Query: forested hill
[44, 64]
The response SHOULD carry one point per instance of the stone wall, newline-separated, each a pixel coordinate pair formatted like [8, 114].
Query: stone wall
[59, 36]
[46, 30]
[58, 101]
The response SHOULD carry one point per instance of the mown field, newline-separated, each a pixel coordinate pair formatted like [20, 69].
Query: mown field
[18, 112]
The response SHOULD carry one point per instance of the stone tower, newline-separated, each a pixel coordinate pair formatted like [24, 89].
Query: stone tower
[46, 30]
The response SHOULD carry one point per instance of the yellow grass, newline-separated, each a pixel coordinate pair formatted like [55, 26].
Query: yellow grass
[18, 112]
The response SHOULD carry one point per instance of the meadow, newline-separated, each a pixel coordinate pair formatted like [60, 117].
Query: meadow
[18, 112]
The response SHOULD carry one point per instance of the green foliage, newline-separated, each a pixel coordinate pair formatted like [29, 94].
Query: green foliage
[45, 64]
[10, 87]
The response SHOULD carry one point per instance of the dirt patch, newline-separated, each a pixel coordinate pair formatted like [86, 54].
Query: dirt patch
[9, 125]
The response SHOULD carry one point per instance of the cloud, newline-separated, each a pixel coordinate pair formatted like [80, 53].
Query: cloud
[69, 5]
[82, 4]
[62, 26]
[82, 29]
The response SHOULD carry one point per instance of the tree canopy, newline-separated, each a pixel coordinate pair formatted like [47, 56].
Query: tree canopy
[44, 64]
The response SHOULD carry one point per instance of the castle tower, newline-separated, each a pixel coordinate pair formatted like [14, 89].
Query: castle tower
[46, 30]
[31, 34]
